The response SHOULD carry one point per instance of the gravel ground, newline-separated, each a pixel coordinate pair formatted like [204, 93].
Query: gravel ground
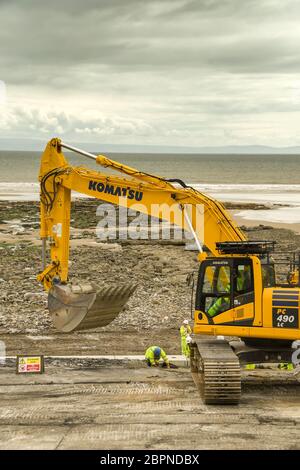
[161, 300]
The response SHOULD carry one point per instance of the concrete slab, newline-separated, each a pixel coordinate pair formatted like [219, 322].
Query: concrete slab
[177, 360]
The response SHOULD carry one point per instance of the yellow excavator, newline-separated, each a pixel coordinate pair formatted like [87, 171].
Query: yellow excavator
[238, 294]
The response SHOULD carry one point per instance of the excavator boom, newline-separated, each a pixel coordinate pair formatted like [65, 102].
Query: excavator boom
[76, 307]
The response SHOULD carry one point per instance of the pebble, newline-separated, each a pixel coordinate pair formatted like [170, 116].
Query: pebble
[33, 295]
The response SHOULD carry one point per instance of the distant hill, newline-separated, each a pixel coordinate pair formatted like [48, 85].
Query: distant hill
[38, 145]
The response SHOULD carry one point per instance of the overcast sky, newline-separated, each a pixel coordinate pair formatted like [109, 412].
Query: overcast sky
[167, 72]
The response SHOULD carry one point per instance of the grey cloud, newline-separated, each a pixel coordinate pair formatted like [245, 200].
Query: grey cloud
[117, 35]
[160, 69]
[63, 123]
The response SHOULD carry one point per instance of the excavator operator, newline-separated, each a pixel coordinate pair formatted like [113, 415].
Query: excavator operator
[221, 304]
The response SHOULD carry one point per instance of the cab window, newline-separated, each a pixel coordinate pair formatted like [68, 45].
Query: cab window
[209, 276]
[268, 275]
[216, 297]
[243, 284]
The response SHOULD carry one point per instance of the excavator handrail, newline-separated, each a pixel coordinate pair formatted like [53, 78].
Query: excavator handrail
[106, 162]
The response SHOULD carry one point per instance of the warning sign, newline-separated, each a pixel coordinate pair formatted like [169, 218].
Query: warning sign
[30, 364]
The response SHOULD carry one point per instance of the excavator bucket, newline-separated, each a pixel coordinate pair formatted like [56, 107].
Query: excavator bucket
[82, 307]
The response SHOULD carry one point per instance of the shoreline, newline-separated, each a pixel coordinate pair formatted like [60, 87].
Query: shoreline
[273, 205]
[24, 212]
[243, 222]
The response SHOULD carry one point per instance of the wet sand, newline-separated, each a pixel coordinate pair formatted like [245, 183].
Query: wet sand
[241, 221]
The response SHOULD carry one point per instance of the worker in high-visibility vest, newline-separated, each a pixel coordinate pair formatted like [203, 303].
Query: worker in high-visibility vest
[286, 366]
[153, 356]
[185, 331]
[221, 304]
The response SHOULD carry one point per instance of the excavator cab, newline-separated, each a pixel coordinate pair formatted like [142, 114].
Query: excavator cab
[230, 286]
[247, 292]
[225, 291]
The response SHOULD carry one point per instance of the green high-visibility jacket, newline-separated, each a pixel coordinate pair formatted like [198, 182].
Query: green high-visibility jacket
[286, 365]
[220, 305]
[149, 355]
[185, 330]
[223, 303]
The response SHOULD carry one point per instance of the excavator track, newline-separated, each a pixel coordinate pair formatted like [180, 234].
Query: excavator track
[216, 371]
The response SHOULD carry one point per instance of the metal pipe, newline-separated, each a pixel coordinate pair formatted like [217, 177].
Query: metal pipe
[76, 150]
[192, 229]
[44, 253]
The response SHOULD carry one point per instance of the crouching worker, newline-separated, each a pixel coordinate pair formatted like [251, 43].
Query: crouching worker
[153, 356]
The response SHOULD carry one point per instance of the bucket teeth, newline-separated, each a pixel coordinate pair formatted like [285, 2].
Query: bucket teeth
[84, 306]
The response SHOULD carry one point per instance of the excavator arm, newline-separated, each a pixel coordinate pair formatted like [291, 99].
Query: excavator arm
[145, 193]
[179, 204]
